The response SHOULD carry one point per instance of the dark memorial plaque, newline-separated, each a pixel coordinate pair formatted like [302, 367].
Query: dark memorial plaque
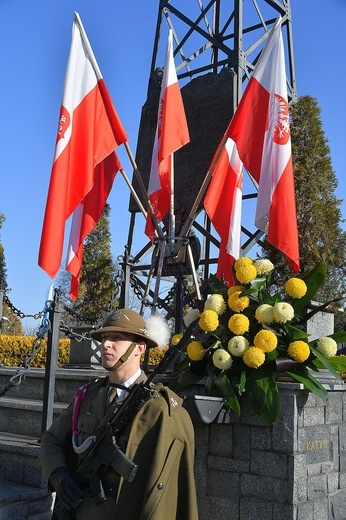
[208, 102]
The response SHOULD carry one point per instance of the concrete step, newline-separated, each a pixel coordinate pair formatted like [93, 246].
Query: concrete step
[67, 380]
[19, 459]
[24, 416]
[23, 502]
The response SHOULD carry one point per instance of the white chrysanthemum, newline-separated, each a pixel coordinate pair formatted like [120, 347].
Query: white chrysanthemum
[191, 316]
[264, 266]
[264, 313]
[216, 303]
[238, 345]
[222, 359]
[327, 347]
[158, 330]
[283, 312]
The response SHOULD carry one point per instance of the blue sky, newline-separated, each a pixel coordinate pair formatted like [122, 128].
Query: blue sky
[35, 40]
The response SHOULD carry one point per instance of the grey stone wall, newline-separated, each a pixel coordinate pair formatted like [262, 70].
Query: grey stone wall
[294, 469]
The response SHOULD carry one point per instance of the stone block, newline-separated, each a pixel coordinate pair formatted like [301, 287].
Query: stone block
[318, 445]
[252, 509]
[268, 463]
[305, 511]
[342, 480]
[338, 505]
[221, 508]
[260, 438]
[333, 482]
[223, 484]
[284, 430]
[314, 416]
[228, 464]
[257, 486]
[241, 442]
[321, 509]
[284, 511]
[334, 412]
[317, 487]
[297, 478]
[221, 440]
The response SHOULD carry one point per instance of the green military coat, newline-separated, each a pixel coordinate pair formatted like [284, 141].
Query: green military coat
[160, 442]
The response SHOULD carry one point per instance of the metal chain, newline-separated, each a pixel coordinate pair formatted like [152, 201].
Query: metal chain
[19, 313]
[69, 332]
[17, 378]
[118, 279]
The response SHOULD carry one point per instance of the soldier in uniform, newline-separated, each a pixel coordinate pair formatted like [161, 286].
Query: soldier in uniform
[160, 440]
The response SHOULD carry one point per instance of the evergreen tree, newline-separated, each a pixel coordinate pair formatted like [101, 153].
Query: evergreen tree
[98, 278]
[321, 238]
[11, 324]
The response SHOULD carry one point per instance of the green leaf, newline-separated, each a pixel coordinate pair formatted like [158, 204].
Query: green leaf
[337, 362]
[264, 394]
[339, 337]
[313, 280]
[302, 375]
[225, 388]
[295, 333]
[326, 364]
[242, 382]
[184, 380]
[216, 285]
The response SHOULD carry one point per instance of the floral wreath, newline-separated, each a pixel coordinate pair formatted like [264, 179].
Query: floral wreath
[245, 334]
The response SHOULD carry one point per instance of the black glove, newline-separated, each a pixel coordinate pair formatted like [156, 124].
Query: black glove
[64, 482]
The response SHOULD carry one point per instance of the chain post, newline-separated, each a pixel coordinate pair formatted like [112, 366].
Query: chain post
[53, 308]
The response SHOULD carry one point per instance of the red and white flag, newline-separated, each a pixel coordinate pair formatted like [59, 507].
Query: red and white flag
[260, 128]
[84, 162]
[171, 134]
[223, 203]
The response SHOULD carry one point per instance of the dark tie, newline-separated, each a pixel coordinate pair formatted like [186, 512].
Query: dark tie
[112, 394]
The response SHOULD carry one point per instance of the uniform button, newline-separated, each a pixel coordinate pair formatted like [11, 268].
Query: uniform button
[160, 485]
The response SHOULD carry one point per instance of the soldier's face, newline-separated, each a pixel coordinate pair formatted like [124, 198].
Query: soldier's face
[113, 347]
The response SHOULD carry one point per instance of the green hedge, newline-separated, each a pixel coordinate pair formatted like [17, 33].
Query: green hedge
[14, 350]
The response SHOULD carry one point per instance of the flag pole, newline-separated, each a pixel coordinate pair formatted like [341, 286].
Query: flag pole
[171, 210]
[86, 42]
[188, 222]
[143, 190]
[134, 194]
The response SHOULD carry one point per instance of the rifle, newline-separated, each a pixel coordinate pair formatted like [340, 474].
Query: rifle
[105, 453]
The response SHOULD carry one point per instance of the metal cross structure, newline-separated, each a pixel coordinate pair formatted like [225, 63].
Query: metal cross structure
[216, 47]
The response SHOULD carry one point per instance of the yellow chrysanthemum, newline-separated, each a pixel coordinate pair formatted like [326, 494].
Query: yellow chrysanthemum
[234, 289]
[238, 304]
[238, 324]
[216, 303]
[254, 357]
[283, 312]
[264, 313]
[327, 347]
[195, 351]
[299, 351]
[209, 320]
[266, 340]
[296, 287]
[238, 345]
[176, 338]
[242, 261]
[222, 359]
[263, 267]
[246, 274]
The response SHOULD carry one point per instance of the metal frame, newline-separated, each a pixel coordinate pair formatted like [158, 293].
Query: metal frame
[207, 39]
